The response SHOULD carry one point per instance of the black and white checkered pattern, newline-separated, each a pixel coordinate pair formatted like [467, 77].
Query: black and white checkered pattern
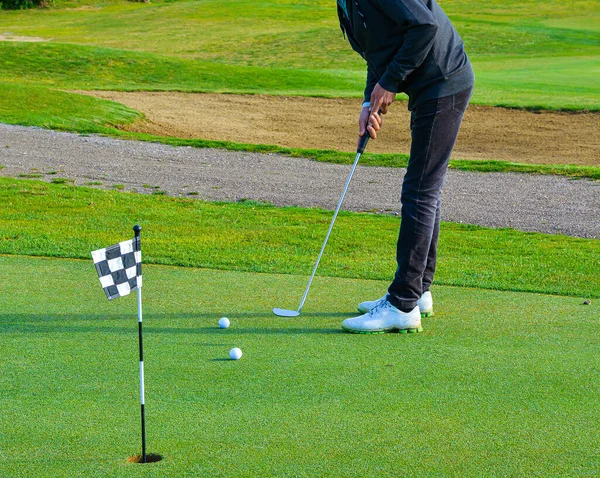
[119, 267]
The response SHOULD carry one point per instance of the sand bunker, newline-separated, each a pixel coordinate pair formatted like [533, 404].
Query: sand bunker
[487, 132]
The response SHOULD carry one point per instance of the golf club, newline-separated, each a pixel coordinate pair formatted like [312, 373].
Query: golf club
[294, 313]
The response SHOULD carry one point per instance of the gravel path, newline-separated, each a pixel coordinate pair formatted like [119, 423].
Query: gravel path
[550, 204]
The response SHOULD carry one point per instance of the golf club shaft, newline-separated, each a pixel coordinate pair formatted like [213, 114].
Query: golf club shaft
[363, 143]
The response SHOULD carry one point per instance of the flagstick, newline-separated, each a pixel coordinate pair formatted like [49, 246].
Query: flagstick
[142, 401]
[137, 230]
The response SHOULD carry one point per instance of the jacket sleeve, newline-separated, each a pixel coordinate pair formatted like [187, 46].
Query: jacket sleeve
[421, 28]
[371, 82]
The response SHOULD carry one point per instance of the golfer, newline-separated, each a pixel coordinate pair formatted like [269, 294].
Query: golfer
[410, 46]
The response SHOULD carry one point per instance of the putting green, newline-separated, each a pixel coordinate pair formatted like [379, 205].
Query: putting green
[499, 383]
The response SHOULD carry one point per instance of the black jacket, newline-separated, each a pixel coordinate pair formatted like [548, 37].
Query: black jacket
[410, 46]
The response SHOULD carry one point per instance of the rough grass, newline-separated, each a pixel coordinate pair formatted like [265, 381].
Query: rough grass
[61, 220]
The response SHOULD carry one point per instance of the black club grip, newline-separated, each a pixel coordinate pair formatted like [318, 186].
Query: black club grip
[364, 139]
[362, 144]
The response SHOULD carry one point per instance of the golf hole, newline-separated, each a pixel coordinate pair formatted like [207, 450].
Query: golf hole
[150, 458]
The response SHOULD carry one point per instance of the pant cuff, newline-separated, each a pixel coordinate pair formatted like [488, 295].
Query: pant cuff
[402, 305]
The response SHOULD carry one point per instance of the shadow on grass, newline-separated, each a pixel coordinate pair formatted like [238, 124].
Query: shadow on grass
[53, 324]
[269, 314]
[149, 316]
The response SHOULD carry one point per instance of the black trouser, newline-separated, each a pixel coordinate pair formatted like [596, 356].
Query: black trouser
[434, 127]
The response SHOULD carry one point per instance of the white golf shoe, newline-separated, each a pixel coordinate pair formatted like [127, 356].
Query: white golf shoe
[384, 317]
[425, 304]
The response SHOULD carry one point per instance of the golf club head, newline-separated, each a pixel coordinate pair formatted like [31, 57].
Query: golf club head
[285, 312]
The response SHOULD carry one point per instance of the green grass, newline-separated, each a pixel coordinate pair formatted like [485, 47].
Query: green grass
[32, 105]
[61, 180]
[539, 83]
[500, 383]
[528, 54]
[97, 68]
[488, 388]
[42, 219]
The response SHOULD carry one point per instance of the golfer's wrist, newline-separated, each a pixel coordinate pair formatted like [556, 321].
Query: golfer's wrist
[366, 104]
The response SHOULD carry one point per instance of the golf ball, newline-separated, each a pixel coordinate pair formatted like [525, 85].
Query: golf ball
[224, 322]
[235, 353]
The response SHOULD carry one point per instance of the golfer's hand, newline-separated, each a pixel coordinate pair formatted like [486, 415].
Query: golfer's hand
[381, 99]
[368, 122]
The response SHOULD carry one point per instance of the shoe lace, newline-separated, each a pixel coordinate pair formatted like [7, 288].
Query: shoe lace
[381, 304]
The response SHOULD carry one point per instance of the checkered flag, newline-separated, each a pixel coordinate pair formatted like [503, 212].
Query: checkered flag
[120, 271]
[119, 267]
